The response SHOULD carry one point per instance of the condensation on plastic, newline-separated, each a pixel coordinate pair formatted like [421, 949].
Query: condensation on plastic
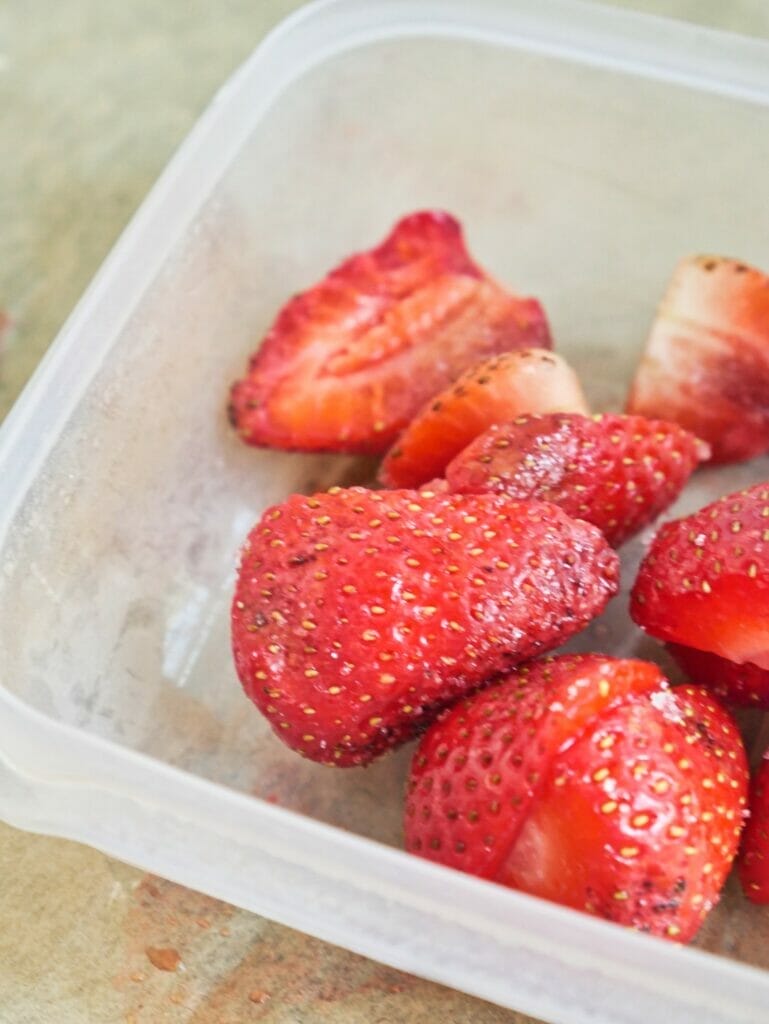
[585, 150]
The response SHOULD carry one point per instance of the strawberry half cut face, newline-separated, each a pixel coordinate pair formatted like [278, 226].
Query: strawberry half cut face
[347, 363]
[706, 363]
[704, 582]
[494, 391]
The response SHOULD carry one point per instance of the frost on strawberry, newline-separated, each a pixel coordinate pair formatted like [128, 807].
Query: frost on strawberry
[585, 780]
[617, 472]
[348, 363]
[706, 362]
[358, 615]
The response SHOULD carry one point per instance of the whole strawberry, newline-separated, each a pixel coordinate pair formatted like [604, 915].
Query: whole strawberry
[358, 615]
[587, 781]
[617, 472]
[703, 583]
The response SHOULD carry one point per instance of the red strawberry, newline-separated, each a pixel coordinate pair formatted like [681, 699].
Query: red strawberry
[703, 582]
[617, 472]
[347, 363]
[585, 780]
[706, 363]
[359, 614]
[744, 686]
[754, 856]
[530, 380]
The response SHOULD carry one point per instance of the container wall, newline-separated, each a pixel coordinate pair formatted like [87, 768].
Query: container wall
[580, 186]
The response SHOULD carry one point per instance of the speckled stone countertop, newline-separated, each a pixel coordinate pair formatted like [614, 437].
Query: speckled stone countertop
[94, 97]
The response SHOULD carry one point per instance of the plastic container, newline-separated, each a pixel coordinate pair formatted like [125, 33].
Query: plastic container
[585, 150]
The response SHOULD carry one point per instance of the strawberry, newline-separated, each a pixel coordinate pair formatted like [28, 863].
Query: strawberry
[498, 389]
[703, 582]
[617, 472]
[744, 685]
[587, 781]
[347, 363]
[706, 363]
[358, 615]
[754, 855]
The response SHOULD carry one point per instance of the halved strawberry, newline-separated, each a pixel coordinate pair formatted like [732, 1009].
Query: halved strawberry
[754, 856]
[744, 685]
[359, 614]
[347, 363]
[504, 740]
[703, 583]
[494, 391]
[585, 780]
[706, 363]
[617, 472]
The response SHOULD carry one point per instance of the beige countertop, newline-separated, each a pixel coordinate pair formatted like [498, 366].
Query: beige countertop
[94, 97]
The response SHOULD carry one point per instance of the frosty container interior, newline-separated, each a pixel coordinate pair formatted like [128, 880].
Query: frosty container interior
[585, 150]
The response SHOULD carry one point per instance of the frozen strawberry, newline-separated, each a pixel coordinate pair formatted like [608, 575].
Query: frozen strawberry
[754, 856]
[617, 472]
[744, 686]
[706, 363]
[587, 781]
[703, 583]
[496, 390]
[347, 363]
[505, 739]
[359, 614]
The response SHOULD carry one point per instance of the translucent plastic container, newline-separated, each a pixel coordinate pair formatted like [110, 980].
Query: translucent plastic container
[585, 150]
